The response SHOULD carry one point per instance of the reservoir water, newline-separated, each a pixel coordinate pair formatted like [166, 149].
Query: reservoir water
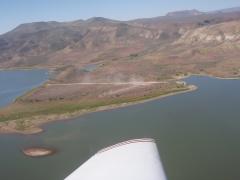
[14, 83]
[197, 134]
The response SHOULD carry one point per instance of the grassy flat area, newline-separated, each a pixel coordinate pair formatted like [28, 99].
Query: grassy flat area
[21, 110]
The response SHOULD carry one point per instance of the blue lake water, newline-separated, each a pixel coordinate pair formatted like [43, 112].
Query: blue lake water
[14, 83]
[197, 134]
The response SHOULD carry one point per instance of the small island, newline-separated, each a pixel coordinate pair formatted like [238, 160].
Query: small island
[38, 152]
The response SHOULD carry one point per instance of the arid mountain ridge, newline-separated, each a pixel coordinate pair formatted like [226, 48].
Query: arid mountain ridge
[180, 42]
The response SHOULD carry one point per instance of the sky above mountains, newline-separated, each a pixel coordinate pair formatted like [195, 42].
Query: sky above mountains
[15, 12]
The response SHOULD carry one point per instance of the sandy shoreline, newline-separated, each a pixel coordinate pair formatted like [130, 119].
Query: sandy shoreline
[38, 121]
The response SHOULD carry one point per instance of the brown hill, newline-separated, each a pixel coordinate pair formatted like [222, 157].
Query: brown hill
[129, 48]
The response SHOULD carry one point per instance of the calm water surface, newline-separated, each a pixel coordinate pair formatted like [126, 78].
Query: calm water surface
[198, 135]
[14, 83]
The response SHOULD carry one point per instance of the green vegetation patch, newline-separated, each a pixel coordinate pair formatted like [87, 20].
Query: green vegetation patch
[18, 111]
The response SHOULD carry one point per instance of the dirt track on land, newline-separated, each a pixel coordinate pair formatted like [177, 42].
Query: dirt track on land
[115, 83]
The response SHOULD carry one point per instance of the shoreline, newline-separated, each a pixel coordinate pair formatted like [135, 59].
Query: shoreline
[36, 127]
[207, 75]
[37, 122]
[28, 68]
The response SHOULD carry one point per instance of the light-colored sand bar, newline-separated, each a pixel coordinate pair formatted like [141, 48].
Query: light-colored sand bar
[38, 152]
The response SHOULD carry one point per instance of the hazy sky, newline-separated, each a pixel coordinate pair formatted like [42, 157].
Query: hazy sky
[15, 12]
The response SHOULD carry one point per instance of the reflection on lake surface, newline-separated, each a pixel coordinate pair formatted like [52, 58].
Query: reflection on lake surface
[197, 134]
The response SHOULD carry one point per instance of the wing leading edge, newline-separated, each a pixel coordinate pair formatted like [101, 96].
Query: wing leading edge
[136, 159]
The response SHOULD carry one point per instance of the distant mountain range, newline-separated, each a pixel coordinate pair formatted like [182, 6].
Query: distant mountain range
[186, 13]
[189, 40]
[195, 12]
[235, 9]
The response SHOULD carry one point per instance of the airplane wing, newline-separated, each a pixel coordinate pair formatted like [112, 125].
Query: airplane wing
[136, 159]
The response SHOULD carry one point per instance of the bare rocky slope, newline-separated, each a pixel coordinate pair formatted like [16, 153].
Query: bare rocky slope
[113, 45]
